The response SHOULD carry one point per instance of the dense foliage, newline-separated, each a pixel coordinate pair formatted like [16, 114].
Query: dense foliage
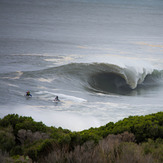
[143, 127]
[23, 136]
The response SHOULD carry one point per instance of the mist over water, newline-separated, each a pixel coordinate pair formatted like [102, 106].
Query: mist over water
[104, 59]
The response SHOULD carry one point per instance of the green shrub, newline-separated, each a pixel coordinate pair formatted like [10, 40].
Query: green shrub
[10, 119]
[40, 149]
[32, 153]
[17, 150]
[154, 148]
[21, 122]
[30, 125]
[7, 141]
[143, 127]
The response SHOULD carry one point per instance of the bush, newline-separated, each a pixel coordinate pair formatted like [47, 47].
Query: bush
[143, 127]
[7, 141]
[154, 148]
[41, 149]
[18, 123]
[22, 135]
[10, 119]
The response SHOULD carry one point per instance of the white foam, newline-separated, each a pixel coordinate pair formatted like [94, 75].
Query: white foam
[67, 120]
[72, 98]
[136, 74]
[63, 96]
[45, 80]
[119, 60]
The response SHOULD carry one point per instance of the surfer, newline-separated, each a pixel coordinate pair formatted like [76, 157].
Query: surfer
[28, 94]
[56, 99]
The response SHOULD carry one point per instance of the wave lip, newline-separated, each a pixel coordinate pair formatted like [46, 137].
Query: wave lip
[134, 77]
[123, 81]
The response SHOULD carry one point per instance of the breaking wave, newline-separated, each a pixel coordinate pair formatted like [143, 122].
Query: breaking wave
[107, 78]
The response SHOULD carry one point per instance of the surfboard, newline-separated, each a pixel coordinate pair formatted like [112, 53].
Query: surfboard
[28, 96]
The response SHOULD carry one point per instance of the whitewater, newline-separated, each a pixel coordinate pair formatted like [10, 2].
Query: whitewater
[104, 59]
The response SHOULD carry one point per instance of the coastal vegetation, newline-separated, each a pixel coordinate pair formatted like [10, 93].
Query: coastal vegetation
[134, 139]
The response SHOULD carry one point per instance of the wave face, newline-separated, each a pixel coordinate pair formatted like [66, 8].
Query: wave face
[114, 79]
[108, 78]
[117, 83]
[109, 82]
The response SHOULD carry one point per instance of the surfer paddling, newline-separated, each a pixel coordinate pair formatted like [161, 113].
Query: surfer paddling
[28, 94]
[56, 99]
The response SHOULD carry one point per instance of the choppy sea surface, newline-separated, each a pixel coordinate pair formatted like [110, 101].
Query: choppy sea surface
[104, 59]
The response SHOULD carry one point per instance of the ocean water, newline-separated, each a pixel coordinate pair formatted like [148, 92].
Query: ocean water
[104, 59]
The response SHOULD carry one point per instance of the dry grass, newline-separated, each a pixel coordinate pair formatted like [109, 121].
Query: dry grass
[113, 149]
[29, 136]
